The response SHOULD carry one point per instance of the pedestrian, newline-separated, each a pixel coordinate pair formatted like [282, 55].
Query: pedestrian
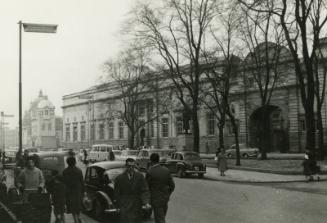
[222, 162]
[161, 185]
[85, 156]
[3, 186]
[57, 190]
[73, 179]
[30, 180]
[131, 192]
[310, 167]
[111, 155]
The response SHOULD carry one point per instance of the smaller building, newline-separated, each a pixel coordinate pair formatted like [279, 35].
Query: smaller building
[39, 124]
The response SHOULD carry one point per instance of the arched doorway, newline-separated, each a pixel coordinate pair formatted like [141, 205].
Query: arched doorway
[268, 129]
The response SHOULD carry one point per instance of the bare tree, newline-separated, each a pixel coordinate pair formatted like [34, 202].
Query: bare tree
[222, 67]
[176, 31]
[130, 75]
[263, 39]
[303, 23]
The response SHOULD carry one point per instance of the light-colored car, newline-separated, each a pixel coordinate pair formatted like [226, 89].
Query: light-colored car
[100, 152]
[128, 153]
[245, 151]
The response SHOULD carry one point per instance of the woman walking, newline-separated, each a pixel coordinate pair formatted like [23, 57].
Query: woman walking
[73, 179]
[222, 162]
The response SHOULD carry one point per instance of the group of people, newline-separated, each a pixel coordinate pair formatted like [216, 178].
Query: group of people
[66, 190]
[134, 192]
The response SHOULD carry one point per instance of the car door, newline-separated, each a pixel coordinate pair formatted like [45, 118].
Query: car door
[172, 163]
[91, 182]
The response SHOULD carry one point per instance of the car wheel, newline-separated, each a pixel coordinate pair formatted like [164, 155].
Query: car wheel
[245, 155]
[180, 173]
[200, 175]
[98, 209]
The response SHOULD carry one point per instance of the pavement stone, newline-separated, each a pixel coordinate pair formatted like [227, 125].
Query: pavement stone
[233, 175]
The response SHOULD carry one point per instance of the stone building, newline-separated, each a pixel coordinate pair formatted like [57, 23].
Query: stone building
[86, 120]
[39, 126]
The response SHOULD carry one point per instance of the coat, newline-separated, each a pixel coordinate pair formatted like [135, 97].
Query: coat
[161, 185]
[73, 180]
[222, 162]
[130, 195]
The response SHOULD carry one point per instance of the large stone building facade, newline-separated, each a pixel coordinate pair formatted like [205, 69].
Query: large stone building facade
[39, 124]
[88, 119]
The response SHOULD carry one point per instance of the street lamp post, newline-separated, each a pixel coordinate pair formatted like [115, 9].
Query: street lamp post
[28, 27]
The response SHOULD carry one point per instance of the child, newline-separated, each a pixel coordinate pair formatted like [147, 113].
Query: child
[307, 168]
[57, 191]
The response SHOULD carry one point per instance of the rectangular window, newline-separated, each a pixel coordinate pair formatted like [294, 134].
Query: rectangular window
[152, 129]
[75, 132]
[211, 124]
[67, 130]
[49, 126]
[46, 112]
[82, 132]
[179, 125]
[141, 109]
[121, 130]
[92, 132]
[101, 131]
[164, 127]
[111, 130]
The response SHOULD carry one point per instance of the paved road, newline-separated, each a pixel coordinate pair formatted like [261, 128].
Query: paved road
[196, 200]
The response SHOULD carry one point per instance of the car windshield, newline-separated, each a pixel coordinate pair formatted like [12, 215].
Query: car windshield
[132, 153]
[191, 156]
[163, 153]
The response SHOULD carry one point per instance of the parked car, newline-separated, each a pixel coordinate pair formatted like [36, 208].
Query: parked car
[32, 150]
[245, 151]
[128, 153]
[10, 155]
[185, 163]
[99, 185]
[143, 158]
[100, 152]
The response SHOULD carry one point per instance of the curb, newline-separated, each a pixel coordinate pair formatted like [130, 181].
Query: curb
[324, 172]
[257, 182]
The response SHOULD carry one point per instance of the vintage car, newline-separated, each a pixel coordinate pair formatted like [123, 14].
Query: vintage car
[245, 151]
[143, 158]
[128, 153]
[185, 163]
[99, 185]
[100, 152]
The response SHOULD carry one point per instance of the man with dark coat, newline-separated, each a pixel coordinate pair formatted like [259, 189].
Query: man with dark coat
[73, 179]
[161, 186]
[131, 192]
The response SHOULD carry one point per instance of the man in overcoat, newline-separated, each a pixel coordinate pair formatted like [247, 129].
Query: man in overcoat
[131, 193]
[161, 186]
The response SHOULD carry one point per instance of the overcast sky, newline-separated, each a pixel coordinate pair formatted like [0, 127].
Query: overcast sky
[62, 63]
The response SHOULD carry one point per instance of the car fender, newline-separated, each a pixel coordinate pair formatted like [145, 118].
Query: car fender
[180, 165]
[104, 198]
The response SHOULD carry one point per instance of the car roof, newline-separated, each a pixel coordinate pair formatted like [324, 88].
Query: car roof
[187, 152]
[49, 153]
[158, 150]
[109, 164]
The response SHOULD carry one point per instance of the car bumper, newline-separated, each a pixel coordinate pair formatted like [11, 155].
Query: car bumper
[195, 171]
[111, 210]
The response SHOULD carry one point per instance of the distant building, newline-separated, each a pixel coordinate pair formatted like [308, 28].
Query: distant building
[39, 124]
[10, 139]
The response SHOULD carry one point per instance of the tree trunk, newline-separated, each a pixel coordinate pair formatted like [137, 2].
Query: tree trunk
[310, 131]
[131, 140]
[221, 135]
[196, 136]
[320, 135]
[235, 130]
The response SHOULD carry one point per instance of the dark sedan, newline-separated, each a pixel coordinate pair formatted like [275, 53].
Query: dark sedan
[185, 163]
[99, 182]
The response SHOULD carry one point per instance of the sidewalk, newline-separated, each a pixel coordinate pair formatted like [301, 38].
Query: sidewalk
[233, 175]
